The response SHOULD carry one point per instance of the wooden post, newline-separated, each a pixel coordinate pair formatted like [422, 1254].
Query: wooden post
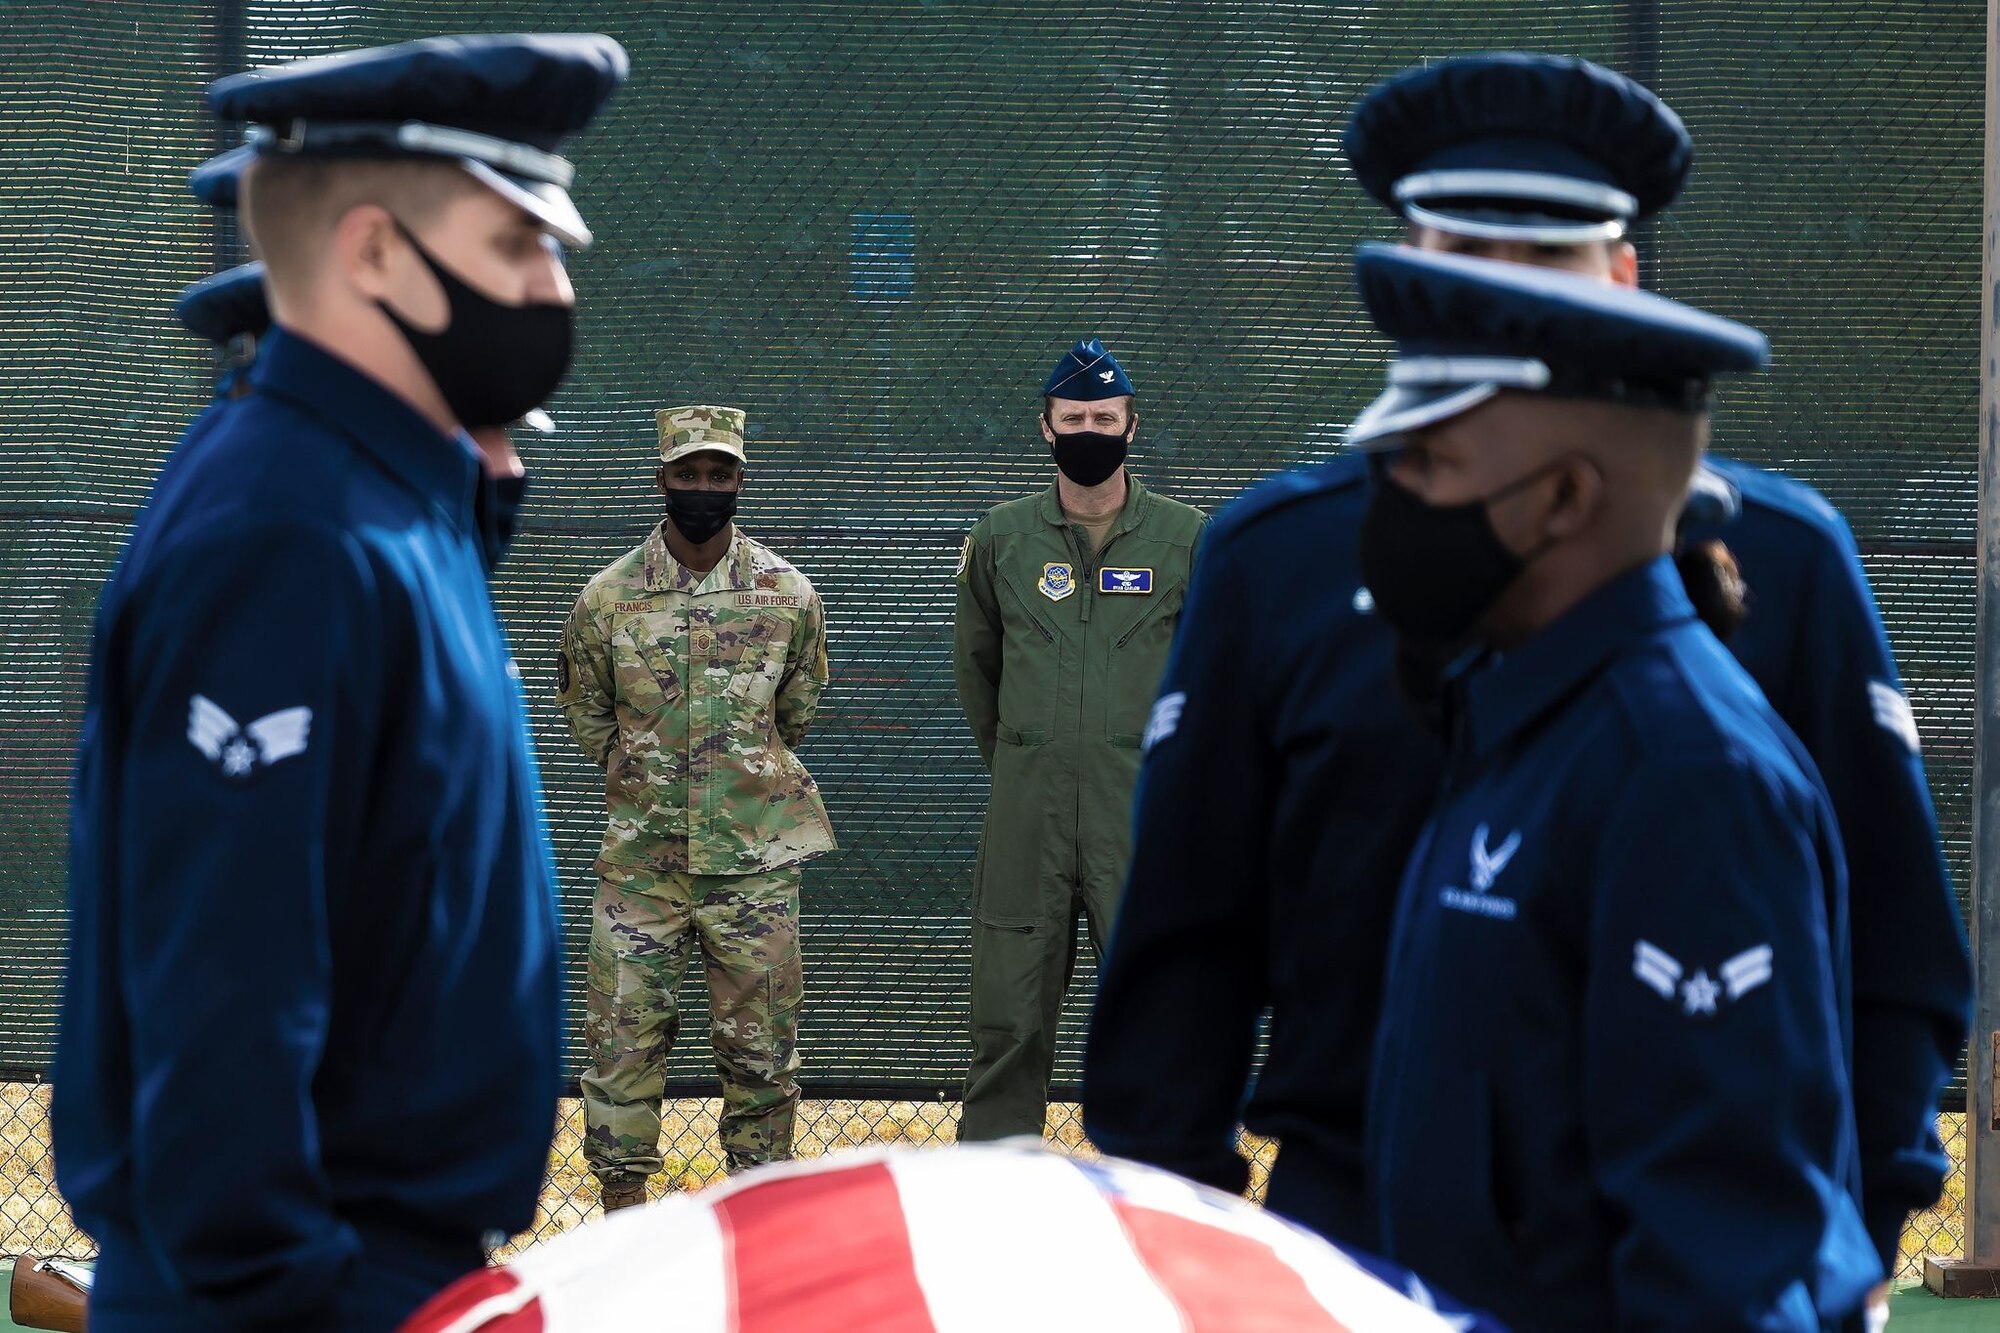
[1978, 1273]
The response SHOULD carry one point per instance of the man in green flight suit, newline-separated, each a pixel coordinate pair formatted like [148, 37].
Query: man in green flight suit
[1066, 608]
[690, 670]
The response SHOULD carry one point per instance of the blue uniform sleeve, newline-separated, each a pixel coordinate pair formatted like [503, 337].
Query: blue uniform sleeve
[510, 497]
[247, 675]
[1912, 976]
[1173, 1031]
[1714, 1072]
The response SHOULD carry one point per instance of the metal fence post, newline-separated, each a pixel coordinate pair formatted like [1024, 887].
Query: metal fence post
[1978, 1273]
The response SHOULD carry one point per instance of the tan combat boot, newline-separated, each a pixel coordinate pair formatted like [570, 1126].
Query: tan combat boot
[621, 1192]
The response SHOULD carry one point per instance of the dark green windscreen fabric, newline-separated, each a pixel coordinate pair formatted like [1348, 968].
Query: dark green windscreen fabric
[875, 226]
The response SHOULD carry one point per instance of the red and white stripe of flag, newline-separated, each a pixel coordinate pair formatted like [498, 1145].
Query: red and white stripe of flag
[944, 1240]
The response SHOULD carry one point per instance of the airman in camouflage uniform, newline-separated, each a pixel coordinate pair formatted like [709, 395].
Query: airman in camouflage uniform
[689, 670]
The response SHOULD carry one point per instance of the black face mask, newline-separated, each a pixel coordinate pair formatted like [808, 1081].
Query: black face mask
[1088, 457]
[493, 363]
[700, 514]
[1434, 569]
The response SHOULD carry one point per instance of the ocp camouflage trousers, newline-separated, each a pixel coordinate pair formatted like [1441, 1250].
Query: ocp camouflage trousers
[646, 927]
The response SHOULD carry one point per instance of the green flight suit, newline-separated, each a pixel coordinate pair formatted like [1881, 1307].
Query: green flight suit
[1058, 654]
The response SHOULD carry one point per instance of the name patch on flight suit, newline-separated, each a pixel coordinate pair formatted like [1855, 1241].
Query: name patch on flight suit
[767, 599]
[1058, 581]
[1135, 581]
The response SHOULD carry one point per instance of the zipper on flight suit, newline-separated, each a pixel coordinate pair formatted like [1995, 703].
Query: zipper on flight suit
[1075, 538]
[1087, 582]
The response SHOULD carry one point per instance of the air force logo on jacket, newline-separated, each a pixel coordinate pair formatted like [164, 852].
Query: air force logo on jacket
[1484, 870]
[1624, 912]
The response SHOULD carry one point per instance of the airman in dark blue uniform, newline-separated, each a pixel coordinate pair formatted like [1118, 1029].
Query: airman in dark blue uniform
[217, 183]
[229, 309]
[1609, 1087]
[311, 1030]
[1288, 691]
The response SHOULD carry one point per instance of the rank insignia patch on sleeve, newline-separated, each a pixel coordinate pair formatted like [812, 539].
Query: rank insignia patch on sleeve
[242, 750]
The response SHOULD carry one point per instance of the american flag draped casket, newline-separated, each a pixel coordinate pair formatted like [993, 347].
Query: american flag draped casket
[938, 1240]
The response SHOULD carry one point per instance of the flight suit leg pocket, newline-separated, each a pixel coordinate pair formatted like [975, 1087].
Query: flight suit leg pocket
[1008, 877]
[1006, 1086]
[1007, 968]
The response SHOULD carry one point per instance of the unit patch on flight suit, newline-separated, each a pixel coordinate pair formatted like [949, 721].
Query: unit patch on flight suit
[1058, 581]
[1138, 581]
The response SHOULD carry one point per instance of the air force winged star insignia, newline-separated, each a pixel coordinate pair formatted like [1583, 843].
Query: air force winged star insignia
[1700, 995]
[1894, 715]
[1747, 971]
[1165, 721]
[240, 751]
[1487, 865]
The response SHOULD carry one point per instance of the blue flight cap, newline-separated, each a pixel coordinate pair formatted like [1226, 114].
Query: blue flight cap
[1467, 328]
[215, 181]
[1509, 146]
[498, 105]
[226, 306]
[1086, 373]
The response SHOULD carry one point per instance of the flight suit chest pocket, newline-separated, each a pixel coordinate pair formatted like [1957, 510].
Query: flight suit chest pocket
[1139, 647]
[648, 656]
[1024, 621]
[1034, 656]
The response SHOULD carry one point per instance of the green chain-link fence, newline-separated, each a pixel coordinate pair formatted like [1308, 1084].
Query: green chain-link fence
[1164, 174]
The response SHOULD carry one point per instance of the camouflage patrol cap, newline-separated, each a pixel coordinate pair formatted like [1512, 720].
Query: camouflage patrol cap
[694, 430]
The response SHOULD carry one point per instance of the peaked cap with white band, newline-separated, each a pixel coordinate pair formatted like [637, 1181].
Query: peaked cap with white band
[1511, 146]
[499, 105]
[226, 306]
[1465, 329]
[217, 181]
